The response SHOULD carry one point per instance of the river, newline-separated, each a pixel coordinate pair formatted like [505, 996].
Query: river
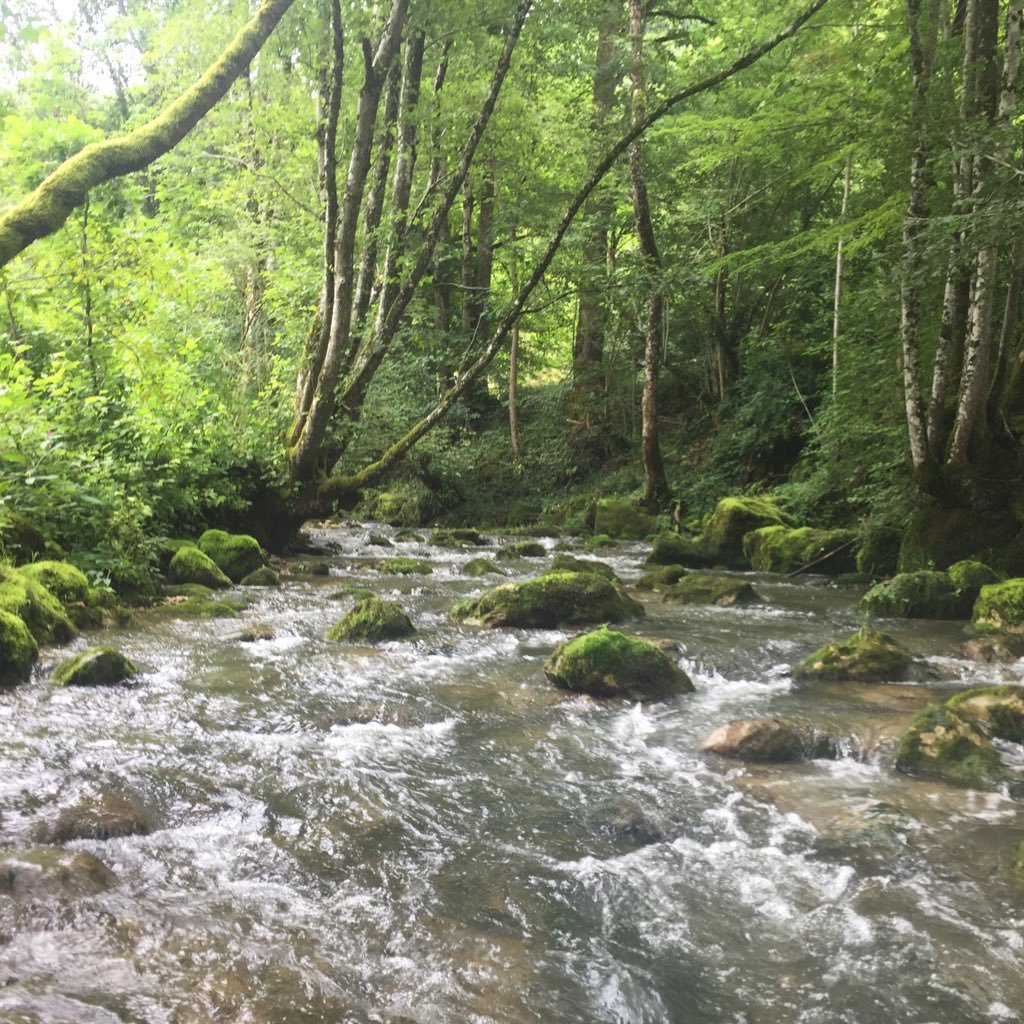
[428, 832]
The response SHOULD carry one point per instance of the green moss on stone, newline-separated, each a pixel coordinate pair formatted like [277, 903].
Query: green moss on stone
[916, 595]
[98, 666]
[568, 563]
[35, 606]
[523, 549]
[403, 567]
[309, 569]
[997, 710]
[878, 550]
[969, 577]
[66, 582]
[371, 621]
[599, 540]
[731, 521]
[782, 549]
[622, 520]
[481, 567]
[868, 656]
[723, 591]
[264, 576]
[606, 663]
[1001, 606]
[463, 609]
[941, 744]
[190, 565]
[18, 650]
[457, 538]
[555, 599]
[660, 577]
[235, 554]
[671, 549]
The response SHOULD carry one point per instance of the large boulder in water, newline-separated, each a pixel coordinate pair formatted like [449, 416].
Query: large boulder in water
[941, 744]
[66, 582]
[235, 554]
[35, 606]
[731, 521]
[769, 739]
[555, 599]
[723, 591]
[18, 650]
[371, 621]
[45, 872]
[606, 663]
[98, 666]
[997, 710]
[1001, 606]
[924, 594]
[782, 549]
[867, 657]
[190, 565]
[569, 563]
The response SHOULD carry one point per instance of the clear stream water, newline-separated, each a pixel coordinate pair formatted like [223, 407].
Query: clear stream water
[428, 832]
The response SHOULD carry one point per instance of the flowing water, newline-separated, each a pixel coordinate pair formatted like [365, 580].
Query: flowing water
[428, 832]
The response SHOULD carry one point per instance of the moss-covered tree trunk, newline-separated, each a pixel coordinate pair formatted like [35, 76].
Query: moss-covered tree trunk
[43, 211]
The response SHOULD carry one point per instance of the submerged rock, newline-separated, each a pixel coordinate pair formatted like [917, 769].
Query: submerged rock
[457, 537]
[235, 554]
[940, 743]
[622, 520]
[569, 563]
[877, 834]
[917, 595]
[770, 739]
[784, 549]
[107, 816]
[18, 650]
[481, 567]
[598, 541]
[556, 599]
[254, 633]
[1001, 606]
[723, 591]
[45, 872]
[309, 569]
[867, 657]
[404, 567]
[606, 663]
[371, 621]
[190, 565]
[523, 549]
[660, 577]
[35, 606]
[98, 666]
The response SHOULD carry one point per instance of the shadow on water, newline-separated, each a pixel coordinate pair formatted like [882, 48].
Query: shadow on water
[427, 832]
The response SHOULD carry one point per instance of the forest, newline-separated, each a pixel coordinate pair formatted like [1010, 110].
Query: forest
[479, 323]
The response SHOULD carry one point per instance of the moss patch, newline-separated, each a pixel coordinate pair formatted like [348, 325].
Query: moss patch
[1001, 606]
[403, 567]
[782, 549]
[264, 576]
[66, 582]
[868, 656]
[481, 567]
[99, 666]
[598, 541]
[523, 549]
[235, 554]
[997, 710]
[723, 591]
[568, 563]
[606, 663]
[916, 595]
[371, 621]
[190, 565]
[35, 606]
[941, 744]
[555, 599]
[18, 650]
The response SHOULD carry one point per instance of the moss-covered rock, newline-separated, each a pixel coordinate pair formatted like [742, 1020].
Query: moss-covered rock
[968, 577]
[606, 663]
[355, 593]
[481, 567]
[916, 595]
[769, 739]
[190, 565]
[399, 508]
[378, 540]
[878, 550]
[660, 577]
[264, 576]
[622, 520]
[868, 657]
[598, 541]
[784, 549]
[404, 567]
[523, 549]
[44, 872]
[941, 744]
[556, 599]
[457, 537]
[309, 569]
[731, 521]
[569, 563]
[35, 606]
[235, 554]
[98, 666]
[197, 607]
[723, 591]
[669, 549]
[66, 582]
[998, 711]
[463, 610]
[18, 650]
[371, 621]
[1001, 606]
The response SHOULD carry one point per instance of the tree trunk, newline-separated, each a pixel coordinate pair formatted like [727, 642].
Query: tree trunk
[838, 295]
[44, 210]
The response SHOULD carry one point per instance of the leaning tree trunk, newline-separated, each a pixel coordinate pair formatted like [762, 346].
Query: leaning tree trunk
[43, 211]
